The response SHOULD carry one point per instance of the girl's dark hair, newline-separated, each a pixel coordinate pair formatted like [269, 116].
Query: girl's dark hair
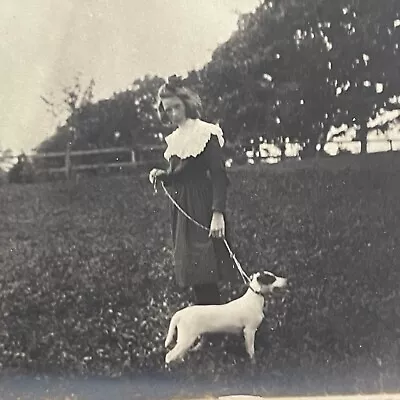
[174, 87]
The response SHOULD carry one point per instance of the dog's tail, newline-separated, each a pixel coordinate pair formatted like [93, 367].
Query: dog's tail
[171, 330]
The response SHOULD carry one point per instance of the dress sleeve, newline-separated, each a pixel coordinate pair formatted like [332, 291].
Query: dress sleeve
[216, 166]
[169, 175]
[166, 176]
[166, 170]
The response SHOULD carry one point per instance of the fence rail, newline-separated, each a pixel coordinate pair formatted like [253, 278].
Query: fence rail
[82, 152]
[69, 165]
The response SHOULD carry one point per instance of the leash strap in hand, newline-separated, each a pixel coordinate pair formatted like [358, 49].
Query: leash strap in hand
[243, 274]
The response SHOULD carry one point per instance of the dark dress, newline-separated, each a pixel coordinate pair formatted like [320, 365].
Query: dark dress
[199, 185]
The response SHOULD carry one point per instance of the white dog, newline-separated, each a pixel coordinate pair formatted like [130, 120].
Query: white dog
[244, 314]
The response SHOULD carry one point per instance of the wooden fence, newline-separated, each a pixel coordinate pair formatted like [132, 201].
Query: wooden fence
[135, 157]
[70, 166]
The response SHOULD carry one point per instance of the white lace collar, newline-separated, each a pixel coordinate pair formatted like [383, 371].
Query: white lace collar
[191, 139]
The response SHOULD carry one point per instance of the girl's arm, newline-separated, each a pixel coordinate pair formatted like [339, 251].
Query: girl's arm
[216, 165]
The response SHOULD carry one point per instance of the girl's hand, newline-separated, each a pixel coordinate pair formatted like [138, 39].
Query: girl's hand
[154, 173]
[217, 228]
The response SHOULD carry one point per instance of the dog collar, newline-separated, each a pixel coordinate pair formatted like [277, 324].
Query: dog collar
[256, 292]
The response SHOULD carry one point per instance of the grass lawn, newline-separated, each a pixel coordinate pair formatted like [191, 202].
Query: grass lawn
[86, 283]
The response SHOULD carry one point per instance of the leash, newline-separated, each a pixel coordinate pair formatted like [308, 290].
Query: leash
[245, 277]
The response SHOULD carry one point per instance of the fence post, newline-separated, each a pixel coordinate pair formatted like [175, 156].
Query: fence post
[68, 161]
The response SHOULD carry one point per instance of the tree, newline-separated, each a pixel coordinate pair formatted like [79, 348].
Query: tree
[291, 69]
[128, 118]
[263, 79]
[286, 68]
[22, 171]
[364, 61]
[75, 97]
[6, 156]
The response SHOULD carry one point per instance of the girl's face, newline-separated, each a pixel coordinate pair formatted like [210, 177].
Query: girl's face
[175, 109]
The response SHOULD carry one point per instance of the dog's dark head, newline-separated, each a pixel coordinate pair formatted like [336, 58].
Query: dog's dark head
[265, 282]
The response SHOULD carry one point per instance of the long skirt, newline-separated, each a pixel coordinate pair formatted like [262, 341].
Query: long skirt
[198, 258]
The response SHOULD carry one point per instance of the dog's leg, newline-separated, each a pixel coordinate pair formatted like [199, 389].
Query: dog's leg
[249, 336]
[199, 345]
[171, 330]
[180, 349]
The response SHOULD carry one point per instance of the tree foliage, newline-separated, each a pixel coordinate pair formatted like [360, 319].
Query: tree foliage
[290, 69]
[295, 68]
[125, 119]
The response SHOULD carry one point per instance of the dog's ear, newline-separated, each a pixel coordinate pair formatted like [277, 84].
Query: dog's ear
[266, 279]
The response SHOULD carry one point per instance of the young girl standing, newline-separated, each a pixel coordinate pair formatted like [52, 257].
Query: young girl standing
[196, 179]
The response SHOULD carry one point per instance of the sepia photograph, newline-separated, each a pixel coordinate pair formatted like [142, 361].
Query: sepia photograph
[200, 200]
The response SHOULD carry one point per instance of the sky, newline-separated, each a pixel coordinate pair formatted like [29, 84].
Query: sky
[46, 44]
